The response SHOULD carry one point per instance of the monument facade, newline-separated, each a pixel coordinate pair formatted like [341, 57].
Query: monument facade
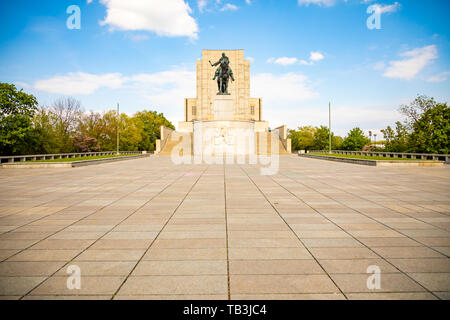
[222, 118]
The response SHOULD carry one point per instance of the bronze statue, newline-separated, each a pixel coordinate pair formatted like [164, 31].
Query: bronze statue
[223, 74]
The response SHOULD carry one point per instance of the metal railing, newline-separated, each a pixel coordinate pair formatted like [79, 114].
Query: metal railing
[34, 157]
[418, 156]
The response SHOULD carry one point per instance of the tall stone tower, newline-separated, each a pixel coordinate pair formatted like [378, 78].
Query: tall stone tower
[217, 124]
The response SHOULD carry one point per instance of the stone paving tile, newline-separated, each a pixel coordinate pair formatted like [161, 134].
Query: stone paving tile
[45, 255]
[342, 253]
[110, 255]
[4, 254]
[275, 267]
[407, 252]
[57, 285]
[59, 244]
[433, 281]
[173, 297]
[100, 268]
[185, 267]
[251, 284]
[62, 297]
[264, 243]
[18, 285]
[331, 243]
[189, 243]
[422, 264]
[391, 296]
[390, 282]
[186, 254]
[183, 230]
[356, 265]
[29, 269]
[293, 296]
[268, 253]
[136, 285]
[442, 295]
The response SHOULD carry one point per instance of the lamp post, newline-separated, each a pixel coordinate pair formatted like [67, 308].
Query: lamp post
[375, 137]
[329, 127]
[118, 120]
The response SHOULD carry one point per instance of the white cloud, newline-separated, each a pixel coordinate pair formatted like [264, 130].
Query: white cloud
[306, 63]
[441, 77]
[166, 90]
[251, 59]
[283, 61]
[79, 83]
[380, 65]
[389, 8]
[163, 90]
[22, 84]
[229, 7]
[343, 117]
[171, 18]
[281, 88]
[316, 56]
[248, 1]
[414, 62]
[326, 3]
[201, 4]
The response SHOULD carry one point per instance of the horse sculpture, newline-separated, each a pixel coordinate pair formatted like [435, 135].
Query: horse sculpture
[223, 74]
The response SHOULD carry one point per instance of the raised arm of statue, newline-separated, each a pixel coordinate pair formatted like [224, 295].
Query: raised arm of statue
[214, 64]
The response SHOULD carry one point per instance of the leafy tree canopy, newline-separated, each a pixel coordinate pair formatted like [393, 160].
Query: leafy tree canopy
[16, 111]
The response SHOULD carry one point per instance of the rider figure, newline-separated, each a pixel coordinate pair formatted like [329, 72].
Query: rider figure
[223, 72]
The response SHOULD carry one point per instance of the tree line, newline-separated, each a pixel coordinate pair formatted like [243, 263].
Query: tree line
[424, 129]
[64, 127]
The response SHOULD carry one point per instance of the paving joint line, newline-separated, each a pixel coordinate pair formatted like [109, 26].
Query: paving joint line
[153, 241]
[304, 246]
[95, 241]
[429, 291]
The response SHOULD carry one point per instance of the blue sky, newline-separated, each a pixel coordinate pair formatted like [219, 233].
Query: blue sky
[304, 53]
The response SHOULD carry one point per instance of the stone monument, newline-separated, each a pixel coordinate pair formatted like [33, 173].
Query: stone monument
[223, 118]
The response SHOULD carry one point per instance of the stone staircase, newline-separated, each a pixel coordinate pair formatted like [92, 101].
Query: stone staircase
[174, 139]
[263, 143]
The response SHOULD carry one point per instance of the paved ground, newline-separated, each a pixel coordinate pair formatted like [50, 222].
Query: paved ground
[149, 229]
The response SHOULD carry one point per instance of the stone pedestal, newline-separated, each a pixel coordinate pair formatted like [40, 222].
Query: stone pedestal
[224, 138]
[223, 107]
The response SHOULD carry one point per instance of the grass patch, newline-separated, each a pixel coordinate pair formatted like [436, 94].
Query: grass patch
[83, 158]
[355, 156]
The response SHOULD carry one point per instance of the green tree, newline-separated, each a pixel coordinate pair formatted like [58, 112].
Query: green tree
[355, 140]
[336, 142]
[302, 138]
[396, 141]
[431, 131]
[131, 129]
[44, 138]
[321, 138]
[65, 115]
[151, 129]
[16, 111]
[416, 108]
